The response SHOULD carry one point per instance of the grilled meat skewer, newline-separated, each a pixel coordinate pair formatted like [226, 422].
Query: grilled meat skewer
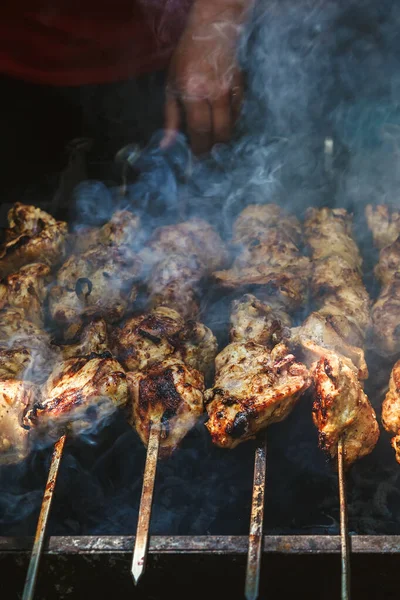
[177, 258]
[258, 380]
[26, 289]
[253, 388]
[169, 393]
[341, 410]
[33, 236]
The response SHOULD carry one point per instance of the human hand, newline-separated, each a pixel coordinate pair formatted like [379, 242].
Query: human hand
[204, 81]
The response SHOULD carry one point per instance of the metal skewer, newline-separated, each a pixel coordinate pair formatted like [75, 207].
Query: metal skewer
[256, 521]
[344, 534]
[146, 502]
[33, 568]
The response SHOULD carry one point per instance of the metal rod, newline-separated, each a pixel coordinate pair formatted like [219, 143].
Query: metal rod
[146, 502]
[256, 522]
[344, 534]
[33, 568]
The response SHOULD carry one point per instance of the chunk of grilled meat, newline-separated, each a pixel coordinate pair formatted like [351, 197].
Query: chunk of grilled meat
[15, 329]
[391, 409]
[256, 321]
[388, 267]
[31, 362]
[384, 224]
[100, 282]
[79, 392]
[33, 236]
[123, 229]
[343, 315]
[194, 238]
[253, 388]
[16, 397]
[255, 219]
[340, 295]
[317, 335]
[171, 393]
[177, 258]
[386, 319]
[26, 290]
[268, 256]
[92, 338]
[342, 410]
[173, 282]
[386, 310]
[25, 219]
[329, 233]
[148, 339]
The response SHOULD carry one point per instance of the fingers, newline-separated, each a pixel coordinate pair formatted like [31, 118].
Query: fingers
[199, 125]
[172, 121]
[208, 121]
[236, 96]
[222, 119]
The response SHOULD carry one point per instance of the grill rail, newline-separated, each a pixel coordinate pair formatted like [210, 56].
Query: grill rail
[207, 545]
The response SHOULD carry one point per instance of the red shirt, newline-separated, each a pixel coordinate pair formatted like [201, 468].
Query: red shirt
[75, 42]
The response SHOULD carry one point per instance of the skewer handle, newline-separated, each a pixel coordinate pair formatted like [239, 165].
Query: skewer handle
[146, 502]
[344, 533]
[256, 522]
[33, 568]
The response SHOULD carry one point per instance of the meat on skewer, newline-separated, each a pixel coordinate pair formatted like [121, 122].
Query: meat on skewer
[148, 339]
[26, 289]
[123, 229]
[341, 410]
[16, 397]
[178, 257]
[258, 380]
[78, 392]
[33, 236]
[100, 282]
[391, 409]
[169, 393]
[384, 224]
[253, 388]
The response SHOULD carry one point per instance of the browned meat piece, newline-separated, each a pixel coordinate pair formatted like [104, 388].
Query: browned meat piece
[255, 219]
[26, 290]
[384, 224]
[146, 340]
[30, 362]
[386, 319]
[194, 238]
[329, 233]
[92, 338]
[268, 256]
[170, 393]
[253, 388]
[391, 409]
[24, 219]
[340, 295]
[15, 329]
[14, 362]
[259, 322]
[16, 397]
[173, 283]
[33, 236]
[317, 335]
[78, 392]
[122, 229]
[388, 267]
[100, 282]
[342, 410]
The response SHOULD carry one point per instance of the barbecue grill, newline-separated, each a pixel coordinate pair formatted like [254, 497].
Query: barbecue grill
[200, 522]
